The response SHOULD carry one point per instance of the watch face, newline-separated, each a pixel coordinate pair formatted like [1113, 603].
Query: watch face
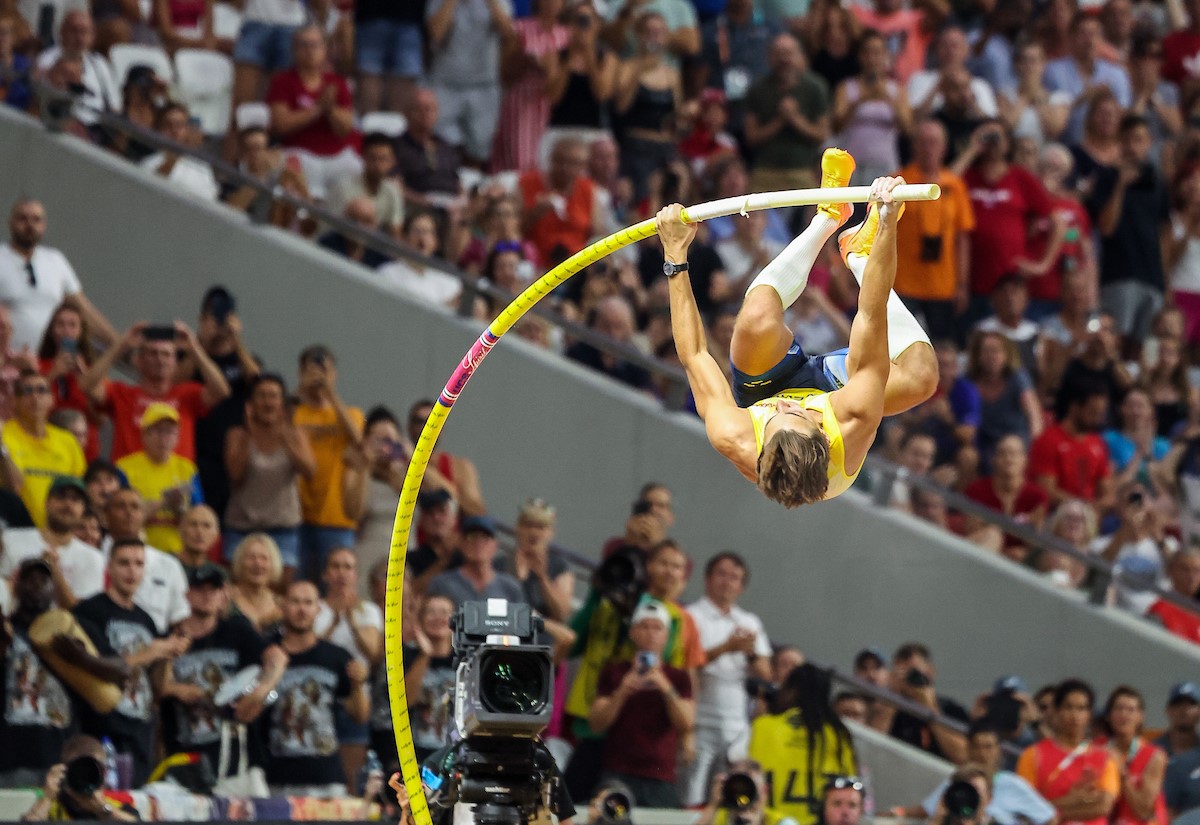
[668, 268]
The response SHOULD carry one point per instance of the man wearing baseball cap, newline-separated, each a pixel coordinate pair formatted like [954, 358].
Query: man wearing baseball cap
[1183, 714]
[476, 579]
[165, 480]
[77, 568]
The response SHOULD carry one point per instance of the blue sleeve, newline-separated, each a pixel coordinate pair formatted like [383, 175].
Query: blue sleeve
[1023, 800]
[967, 405]
[197, 492]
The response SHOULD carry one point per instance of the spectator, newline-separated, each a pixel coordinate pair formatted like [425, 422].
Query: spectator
[1010, 305]
[912, 676]
[76, 39]
[465, 38]
[826, 750]
[77, 569]
[1155, 99]
[42, 725]
[935, 242]
[931, 507]
[1075, 523]
[301, 731]
[545, 577]
[163, 590]
[35, 279]
[1069, 459]
[376, 183]
[1183, 714]
[101, 479]
[613, 317]
[735, 648]
[59, 800]
[427, 164]
[871, 665]
[870, 111]
[74, 422]
[1166, 382]
[1099, 152]
[1027, 107]
[1008, 491]
[219, 647]
[952, 50]
[747, 251]
[1076, 257]
[853, 707]
[843, 801]
[1132, 217]
[63, 355]
[15, 90]
[561, 205]
[266, 456]
[706, 138]
[257, 574]
[1086, 787]
[644, 707]
[428, 680]
[579, 82]
[199, 532]
[1083, 73]
[1180, 786]
[1135, 446]
[184, 172]
[330, 427]
[388, 46]
[1141, 764]
[186, 24]
[166, 481]
[39, 451]
[1006, 199]
[908, 32]
[524, 112]
[787, 120]
[89, 530]
[117, 626]
[1183, 569]
[476, 578]
[312, 114]
[1095, 366]
[380, 478]
[1009, 402]
[360, 212]
[154, 349]
[257, 160]
[356, 626]
[414, 276]
[264, 46]
[1012, 799]
[437, 532]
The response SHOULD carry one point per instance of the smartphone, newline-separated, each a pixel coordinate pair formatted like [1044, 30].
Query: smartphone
[159, 332]
[645, 661]
[69, 346]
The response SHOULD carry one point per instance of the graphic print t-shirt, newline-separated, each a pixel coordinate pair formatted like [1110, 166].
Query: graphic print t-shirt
[211, 659]
[120, 632]
[431, 711]
[302, 740]
[37, 712]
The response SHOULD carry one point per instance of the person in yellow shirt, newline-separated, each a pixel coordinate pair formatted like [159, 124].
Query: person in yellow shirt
[39, 450]
[166, 481]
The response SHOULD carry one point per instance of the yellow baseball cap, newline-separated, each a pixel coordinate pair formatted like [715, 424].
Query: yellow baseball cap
[156, 412]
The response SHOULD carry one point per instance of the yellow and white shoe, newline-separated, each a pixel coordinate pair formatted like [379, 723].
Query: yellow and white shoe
[858, 240]
[837, 165]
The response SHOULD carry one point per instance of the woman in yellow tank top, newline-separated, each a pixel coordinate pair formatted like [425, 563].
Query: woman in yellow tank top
[795, 424]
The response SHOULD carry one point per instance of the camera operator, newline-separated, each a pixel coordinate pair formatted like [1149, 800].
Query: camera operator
[966, 798]
[644, 707]
[739, 798]
[912, 676]
[1011, 711]
[74, 788]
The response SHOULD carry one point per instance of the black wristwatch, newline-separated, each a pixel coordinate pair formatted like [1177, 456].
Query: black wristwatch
[671, 270]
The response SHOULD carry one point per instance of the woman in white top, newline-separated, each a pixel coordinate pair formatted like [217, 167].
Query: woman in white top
[870, 110]
[374, 489]
[355, 625]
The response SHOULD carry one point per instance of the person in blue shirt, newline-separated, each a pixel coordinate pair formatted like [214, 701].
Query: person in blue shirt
[14, 69]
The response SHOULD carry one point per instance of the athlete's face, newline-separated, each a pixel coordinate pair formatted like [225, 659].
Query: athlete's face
[790, 415]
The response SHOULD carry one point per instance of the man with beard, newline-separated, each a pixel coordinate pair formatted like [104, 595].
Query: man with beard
[220, 648]
[1070, 459]
[38, 708]
[302, 737]
[162, 592]
[118, 627]
[77, 570]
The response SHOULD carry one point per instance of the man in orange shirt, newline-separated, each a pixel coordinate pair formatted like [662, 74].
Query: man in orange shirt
[561, 204]
[934, 242]
[332, 427]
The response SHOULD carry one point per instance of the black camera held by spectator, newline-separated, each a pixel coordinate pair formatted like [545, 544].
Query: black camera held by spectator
[612, 804]
[966, 798]
[739, 798]
[74, 788]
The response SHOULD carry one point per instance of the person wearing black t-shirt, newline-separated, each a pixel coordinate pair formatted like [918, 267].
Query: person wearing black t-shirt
[118, 627]
[302, 737]
[912, 676]
[437, 529]
[39, 710]
[220, 648]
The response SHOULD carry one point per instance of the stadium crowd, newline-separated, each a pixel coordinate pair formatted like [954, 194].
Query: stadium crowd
[232, 516]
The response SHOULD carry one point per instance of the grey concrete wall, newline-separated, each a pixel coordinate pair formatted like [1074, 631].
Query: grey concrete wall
[832, 578]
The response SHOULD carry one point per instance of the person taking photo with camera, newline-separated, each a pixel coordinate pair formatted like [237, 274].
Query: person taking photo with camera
[912, 676]
[966, 798]
[739, 798]
[75, 789]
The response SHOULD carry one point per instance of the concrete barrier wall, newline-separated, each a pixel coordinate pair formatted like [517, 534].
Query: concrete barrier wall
[831, 578]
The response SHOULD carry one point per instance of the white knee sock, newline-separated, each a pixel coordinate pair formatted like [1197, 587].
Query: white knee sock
[904, 330]
[788, 273]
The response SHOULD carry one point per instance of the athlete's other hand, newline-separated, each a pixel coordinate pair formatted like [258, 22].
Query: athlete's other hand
[882, 191]
[676, 236]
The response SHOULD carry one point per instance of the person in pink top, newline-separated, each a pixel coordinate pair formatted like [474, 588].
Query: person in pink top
[907, 31]
[1143, 766]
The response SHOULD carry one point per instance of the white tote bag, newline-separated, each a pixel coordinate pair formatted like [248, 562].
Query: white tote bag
[248, 781]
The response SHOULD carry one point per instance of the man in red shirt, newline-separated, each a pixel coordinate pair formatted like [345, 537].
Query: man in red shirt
[1181, 49]
[1070, 459]
[312, 114]
[1184, 571]
[156, 360]
[1007, 199]
[560, 204]
[1075, 253]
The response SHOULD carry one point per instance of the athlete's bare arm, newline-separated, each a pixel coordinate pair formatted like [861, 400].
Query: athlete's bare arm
[728, 427]
[859, 404]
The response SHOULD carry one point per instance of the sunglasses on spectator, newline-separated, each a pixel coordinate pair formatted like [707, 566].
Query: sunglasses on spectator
[841, 783]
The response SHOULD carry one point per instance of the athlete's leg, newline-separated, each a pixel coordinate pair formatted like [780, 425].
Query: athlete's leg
[761, 337]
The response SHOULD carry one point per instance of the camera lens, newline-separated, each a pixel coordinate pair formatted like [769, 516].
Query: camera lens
[513, 681]
[961, 799]
[739, 792]
[916, 678]
[85, 775]
[615, 807]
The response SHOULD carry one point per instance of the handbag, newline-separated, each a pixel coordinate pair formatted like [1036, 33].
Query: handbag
[248, 781]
